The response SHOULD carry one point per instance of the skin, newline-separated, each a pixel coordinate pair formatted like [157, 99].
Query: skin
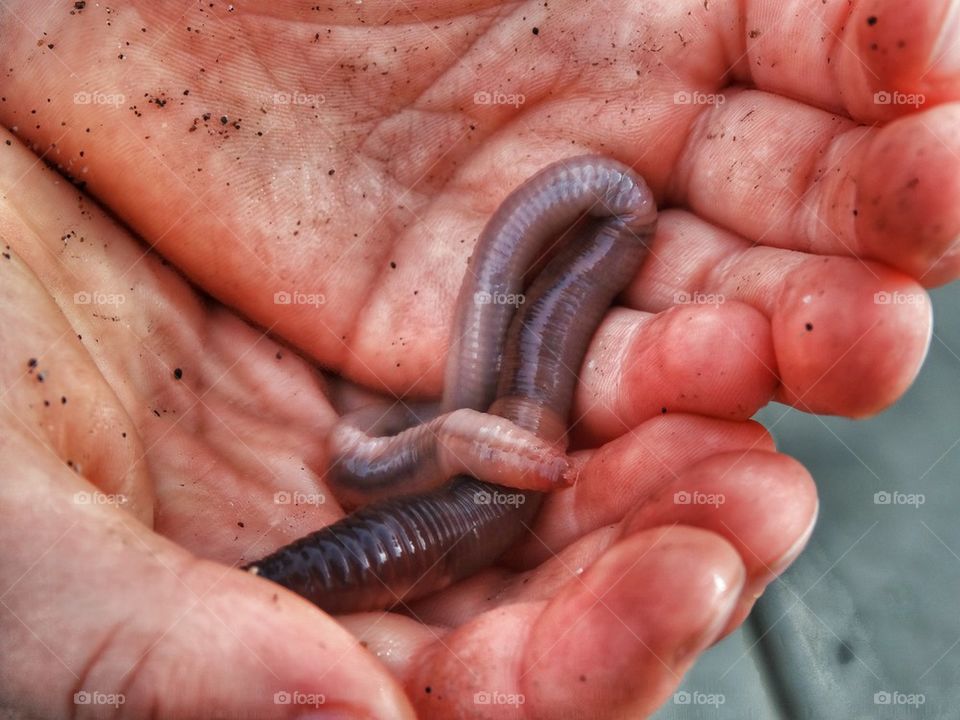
[145, 602]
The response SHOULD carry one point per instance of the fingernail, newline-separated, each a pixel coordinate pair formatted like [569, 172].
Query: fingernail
[945, 58]
[793, 552]
[727, 594]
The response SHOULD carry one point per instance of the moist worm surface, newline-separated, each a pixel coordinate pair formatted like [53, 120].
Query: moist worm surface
[520, 365]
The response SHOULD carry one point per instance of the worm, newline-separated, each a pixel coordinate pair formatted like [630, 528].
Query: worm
[376, 454]
[528, 220]
[521, 365]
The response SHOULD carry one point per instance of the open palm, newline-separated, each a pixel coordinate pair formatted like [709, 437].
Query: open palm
[323, 173]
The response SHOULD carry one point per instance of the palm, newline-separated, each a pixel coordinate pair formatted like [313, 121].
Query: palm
[368, 189]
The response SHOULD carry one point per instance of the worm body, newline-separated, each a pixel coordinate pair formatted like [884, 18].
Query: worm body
[522, 228]
[375, 454]
[524, 362]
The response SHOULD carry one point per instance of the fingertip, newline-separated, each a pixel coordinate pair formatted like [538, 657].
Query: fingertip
[756, 584]
[627, 471]
[907, 214]
[849, 342]
[902, 56]
[654, 601]
[763, 503]
[763, 439]
[731, 370]
[708, 356]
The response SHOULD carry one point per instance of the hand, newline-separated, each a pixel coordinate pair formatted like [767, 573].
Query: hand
[116, 601]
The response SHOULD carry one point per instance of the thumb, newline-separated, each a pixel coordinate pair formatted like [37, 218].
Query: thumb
[123, 622]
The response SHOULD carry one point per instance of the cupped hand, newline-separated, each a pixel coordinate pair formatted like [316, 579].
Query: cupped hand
[323, 172]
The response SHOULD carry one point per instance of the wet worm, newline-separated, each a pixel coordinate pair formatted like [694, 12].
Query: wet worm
[524, 361]
[375, 453]
[372, 461]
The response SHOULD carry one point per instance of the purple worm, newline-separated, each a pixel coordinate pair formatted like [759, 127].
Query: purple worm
[375, 453]
[521, 364]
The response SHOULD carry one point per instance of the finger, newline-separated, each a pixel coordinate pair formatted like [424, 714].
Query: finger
[842, 55]
[714, 360]
[110, 613]
[849, 337]
[763, 503]
[800, 178]
[624, 473]
[653, 602]
[497, 586]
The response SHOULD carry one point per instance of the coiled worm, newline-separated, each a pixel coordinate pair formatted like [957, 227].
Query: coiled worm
[518, 364]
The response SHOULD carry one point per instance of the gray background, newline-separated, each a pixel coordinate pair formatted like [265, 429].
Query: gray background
[871, 606]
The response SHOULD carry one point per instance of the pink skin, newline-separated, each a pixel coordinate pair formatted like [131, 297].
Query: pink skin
[419, 167]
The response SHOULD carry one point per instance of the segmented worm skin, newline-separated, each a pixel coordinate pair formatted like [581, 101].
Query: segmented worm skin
[525, 224]
[375, 454]
[525, 361]
[369, 465]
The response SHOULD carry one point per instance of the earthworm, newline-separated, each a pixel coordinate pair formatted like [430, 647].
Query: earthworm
[368, 466]
[376, 454]
[518, 232]
[525, 361]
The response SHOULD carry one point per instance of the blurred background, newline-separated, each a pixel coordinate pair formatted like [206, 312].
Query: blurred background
[866, 624]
